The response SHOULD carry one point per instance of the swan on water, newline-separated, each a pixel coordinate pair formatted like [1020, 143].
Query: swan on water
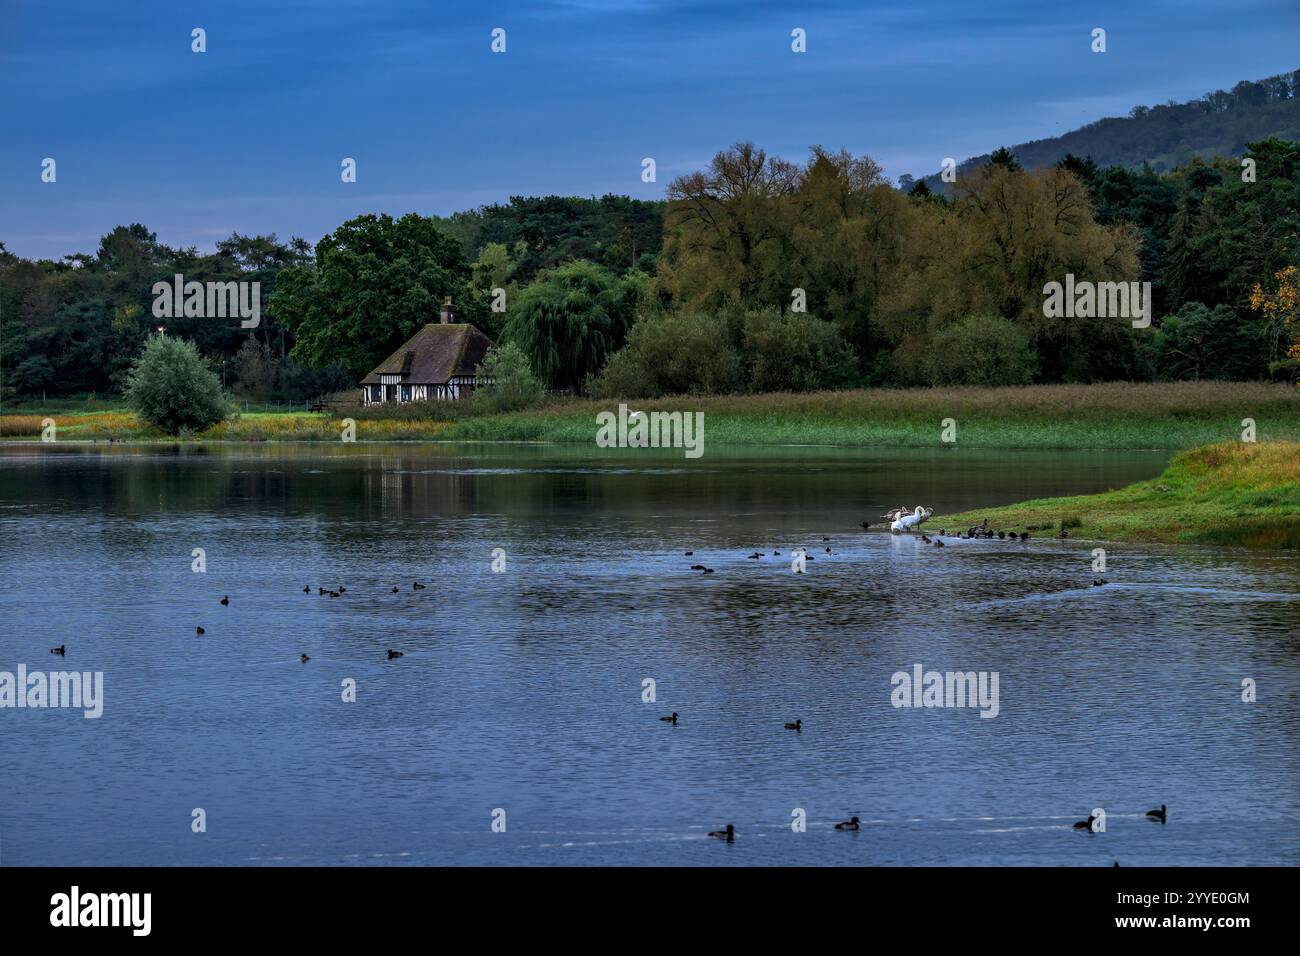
[902, 520]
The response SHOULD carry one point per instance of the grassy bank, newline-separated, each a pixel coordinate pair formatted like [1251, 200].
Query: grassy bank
[254, 426]
[1115, 415]
[1227, 493]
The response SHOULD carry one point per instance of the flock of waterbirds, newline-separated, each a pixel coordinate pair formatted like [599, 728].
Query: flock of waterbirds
[853, 824]
[729, 833]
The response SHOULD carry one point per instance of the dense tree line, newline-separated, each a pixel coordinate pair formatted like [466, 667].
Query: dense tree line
[529, 234]
[757, 273]
[868, 286]
[75, 327]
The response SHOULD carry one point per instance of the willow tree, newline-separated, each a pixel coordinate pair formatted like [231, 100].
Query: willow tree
[572, 319]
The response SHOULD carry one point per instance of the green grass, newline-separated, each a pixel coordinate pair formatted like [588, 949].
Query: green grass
[1113, 415]
[1226, 493]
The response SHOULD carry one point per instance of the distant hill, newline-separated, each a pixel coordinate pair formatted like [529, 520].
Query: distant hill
[1217, 124]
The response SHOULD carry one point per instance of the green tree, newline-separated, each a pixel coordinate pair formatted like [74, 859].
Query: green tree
[1004, 157]
[727, 229]
[572, 319]
[375, 282]
[506, 381]
[1199, 342]
[1229, 231]
[1006, 235]
[172, 389]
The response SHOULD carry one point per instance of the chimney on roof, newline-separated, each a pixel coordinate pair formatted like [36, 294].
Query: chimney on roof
[448, 312]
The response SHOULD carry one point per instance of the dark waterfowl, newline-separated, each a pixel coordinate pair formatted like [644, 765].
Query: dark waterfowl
[1085, 824]
[940, 544]
[828, 550]
[1063, 533]
[225, 601]
[394, 588]
[1024, 536]
[1157, 814]
[198, 631]
[697, 567]
[60, 650]
[866, 525]
[1001, 535]
[797, 725]
[304, 658]
[392, 655]
[322, 592]
[671, 718]
[708, 570]
[417, 586]
[342, 589]
[306, 589]
[690, 554]
[1098, 582]
[850, 824]
[728, 834]
[333, 594]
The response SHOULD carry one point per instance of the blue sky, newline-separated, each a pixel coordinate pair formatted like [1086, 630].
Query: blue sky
[249, 136]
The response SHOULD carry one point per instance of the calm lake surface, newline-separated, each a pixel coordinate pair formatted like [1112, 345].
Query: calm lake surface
[522, 690]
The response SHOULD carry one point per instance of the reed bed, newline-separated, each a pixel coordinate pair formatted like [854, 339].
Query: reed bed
[1172, 415]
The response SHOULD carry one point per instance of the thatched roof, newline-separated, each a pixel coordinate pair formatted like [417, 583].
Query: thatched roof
[434, 355]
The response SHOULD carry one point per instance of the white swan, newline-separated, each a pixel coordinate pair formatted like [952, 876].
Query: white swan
[906, 522]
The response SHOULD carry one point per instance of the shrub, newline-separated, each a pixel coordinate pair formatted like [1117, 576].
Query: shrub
[511, 383]
[794, 352]
[671, 354]
[981, 350]
[170, 388]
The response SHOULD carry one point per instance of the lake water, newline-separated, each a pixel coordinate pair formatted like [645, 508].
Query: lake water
[522, 690]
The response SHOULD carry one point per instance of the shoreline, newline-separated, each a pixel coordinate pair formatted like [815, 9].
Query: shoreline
[1113, 416]
[1240, 493]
